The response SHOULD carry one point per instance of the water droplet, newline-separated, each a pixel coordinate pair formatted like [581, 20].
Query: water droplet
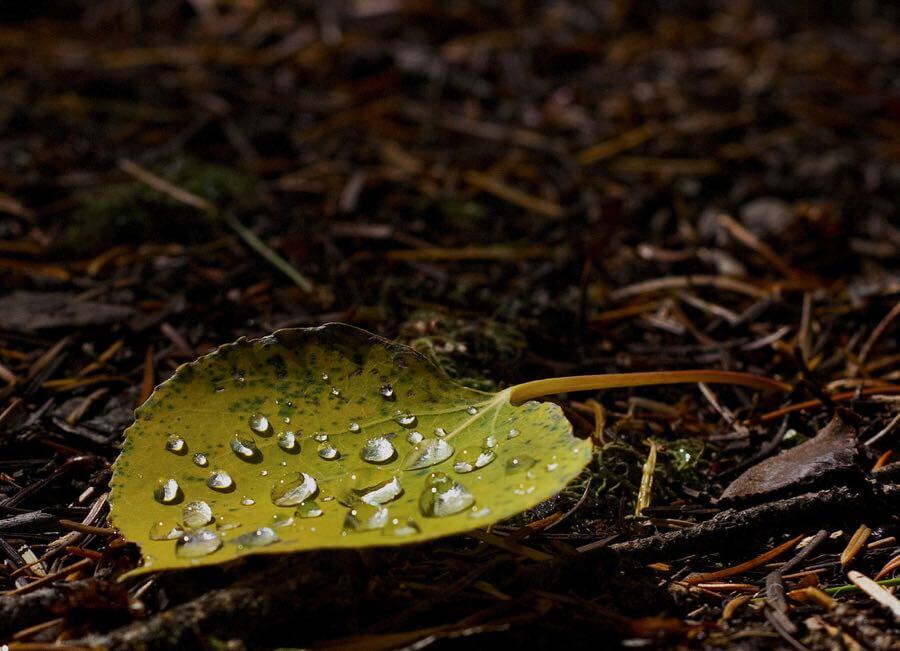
[288, 492]
[335, 391]
[201, 460]
[220, 389]
[479, 513]
[519, 463]
[197, 543]
[365, 517]
[238, 376]
[378, 450]
[324, 377]
[328, 452]
[220, 480]
[263, 473]
[287, 441]
[444, 496]
[257, 538]
[354, 427]
[415, 437]
[380, 493]
[400, 528]
[440, 432]
[472, 459]
[282, 520]
[490, 441]
[287, 420]
[426, 453]
[471, 410]
[387, 391]
[321, 436]
[167, 491]
[522, 489]
[248, 501]
[259, 424]
[244, 447]
[552, 466]
[196, 514]
[308, 509]
[165, 531]
[176, 444]
[513, 433]
[407, 420]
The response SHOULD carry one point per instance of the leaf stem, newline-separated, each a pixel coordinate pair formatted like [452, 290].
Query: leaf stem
[538, 388]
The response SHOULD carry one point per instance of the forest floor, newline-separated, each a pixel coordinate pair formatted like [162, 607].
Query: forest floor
[517, 190]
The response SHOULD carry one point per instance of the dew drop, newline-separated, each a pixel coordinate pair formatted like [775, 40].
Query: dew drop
[328, 452]
[513, 433]
[195, 544]
[335, 391]
[490, 441]
[167, 491]
[321, 437]
[427, 452]
[165, 531]
[257, 538]
[289, 492]
[201, 460]
[308, 509]
[440, 432]
[248, 501]
[380, 493]
[552, 466]
[401, 529]
[287, 420]
[519, 463]
[472, 459]
[282, 520]
[196, 514]
[378, 450]
[354, 427]
[479, 513]
[324, 377]
[220, 480]
[365, 517]
[176, 444]
[244, 447]
[287, 441]
[444, 496]
[415, 437]
[471, 410]
[387, 391]
[259, 424]
[407, 420]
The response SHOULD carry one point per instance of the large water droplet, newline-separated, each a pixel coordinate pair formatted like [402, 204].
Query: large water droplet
[194, 544]
[176, 444]
[415, 437]
[165, 531]
[196, 514]
[328, 452]
[401, 528]
[519, 463]
[201, 460]
[407, 420]
[287, 441]
[244, 447]
[378, 450]
[387, 391]
[380, 493]
[167, 491]
[473, 458]
[257, 538]
[220, 480]
[365, 517]
[444, 496]
[288, 492]
[309, 509]
[259, 424]
[428, 453]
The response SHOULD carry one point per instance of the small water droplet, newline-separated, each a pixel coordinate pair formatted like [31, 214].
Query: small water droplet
[244, 447]
[401, 528]
[259, 424]
[378, 450]
[522, 489]
[440, 432]
[324, 377]
[194, 544]
[335, 391]
[309, 509]
[365, 517]
[471, 459]
[415, 437]
[238, 376]
[165, 531]
[328, 452]
[552, 466]
[167, 491]
[321, 437]
[407, 420]
[295, 490]
[257, 538]
[381, 493]
[196, 514]
[479, 512]
[354, 427]
[387, 391]
[263, 473]
[490, 441]
[282, 520]
[220, 389]
[176, 444]
[471, 410]
[426, 453]
[201, 460]
[220, 480]
[287, 441]
[519, 463]
[443, 496]
[287, 420]
[248, 501]
[513, 433]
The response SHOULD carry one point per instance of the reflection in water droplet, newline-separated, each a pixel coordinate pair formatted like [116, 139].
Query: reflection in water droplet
[519, 463]
[321, 436]
[176, 444]
[197, 543]
[167, 491]
[428, 453]
[378, 450]
[407, 420]
[401, 529]
[354, 427]
[328, 452]
[472, 410]
[309, 509]
[365, 517]
[287, 441]
[513, 433]
[440, 432]
[288, 492]
[257, 538]
[387, 391]
[244, 447]
[196, 514]
[473, 458]
[219, 480]
[380, 493]
[259, 423]
[415, 437]
[490, 441]
[201, 460]
[248, 501]
[444, 496]
[165, 531]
